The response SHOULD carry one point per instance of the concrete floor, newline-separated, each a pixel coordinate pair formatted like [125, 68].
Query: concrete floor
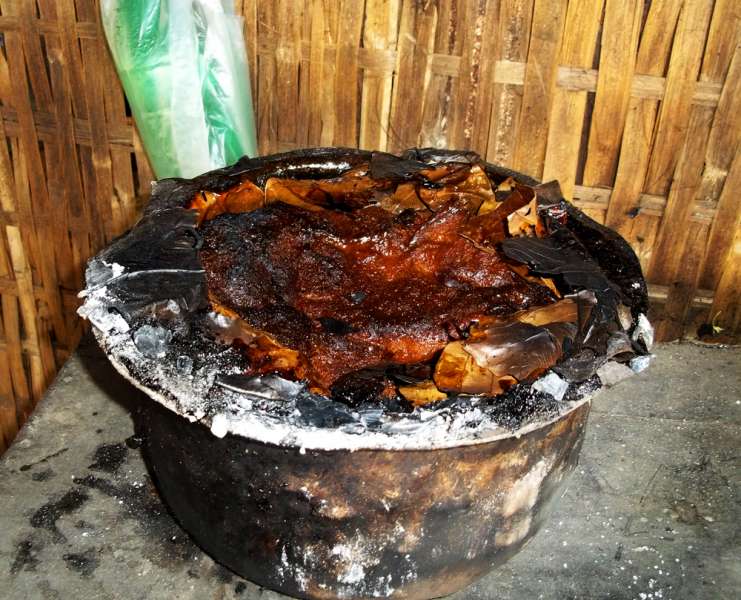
[652, 512]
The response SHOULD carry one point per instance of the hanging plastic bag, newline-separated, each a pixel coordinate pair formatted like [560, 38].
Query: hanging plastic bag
[183, 66]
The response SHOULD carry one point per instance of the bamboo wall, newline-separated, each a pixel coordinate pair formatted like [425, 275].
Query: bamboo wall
[634, 106]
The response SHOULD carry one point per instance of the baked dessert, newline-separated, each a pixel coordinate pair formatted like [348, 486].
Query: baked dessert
[387, 285]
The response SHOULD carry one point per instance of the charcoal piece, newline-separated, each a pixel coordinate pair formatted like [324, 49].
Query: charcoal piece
[184, 364]
[98, 273]
[364, 387]
[152, 341]
[549, 195]
[388, 166]
[520, 403]
[619, 344]
[613, 372]
[643, 333]
[581, 365]
[371, 416]
[318, 411]
[551, 384]
[640, 363]
[437, 156]
[553, 257]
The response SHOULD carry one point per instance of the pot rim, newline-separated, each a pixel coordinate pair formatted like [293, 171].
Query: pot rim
[304, 438]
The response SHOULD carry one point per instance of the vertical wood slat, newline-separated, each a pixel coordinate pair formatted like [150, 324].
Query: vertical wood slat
[623, 213]
[16, 44]
[616, 67]
[439, 88]
[488, 43]
[678, 258]
[656, 156]
[379, 34]
[539, 85]
[514, 34]
[415, 45]
[267, 124]
[722, 149]
[329, 79]
[680, 84]
[475, 76]
[305, 91]
[567, 113]
[316, 71]
[8, 414]
[287, 64]
[346, 108]
[726, 309]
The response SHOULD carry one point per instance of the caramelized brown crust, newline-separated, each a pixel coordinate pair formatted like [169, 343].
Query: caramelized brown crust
[360, 289]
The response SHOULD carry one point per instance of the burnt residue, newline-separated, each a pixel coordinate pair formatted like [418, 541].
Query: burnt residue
[134, 442]
[165, 544]
[223, 574]
[44, 475]
[25, 558]
[520, 403]
[168, 545]
[83, 563]
[46, 516]
[100, 484]
[109, 457]
[43, 460]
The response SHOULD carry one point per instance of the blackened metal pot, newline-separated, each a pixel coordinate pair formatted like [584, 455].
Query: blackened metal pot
[411, 524]
[363, 515]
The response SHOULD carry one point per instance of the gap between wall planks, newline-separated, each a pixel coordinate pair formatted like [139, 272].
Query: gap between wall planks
[634, 106]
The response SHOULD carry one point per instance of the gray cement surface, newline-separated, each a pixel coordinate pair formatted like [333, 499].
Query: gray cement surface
[652, 512]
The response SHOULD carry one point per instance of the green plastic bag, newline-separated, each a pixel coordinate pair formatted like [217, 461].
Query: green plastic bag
[183, 66]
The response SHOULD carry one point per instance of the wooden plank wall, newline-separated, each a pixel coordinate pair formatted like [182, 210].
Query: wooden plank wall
[633, 105]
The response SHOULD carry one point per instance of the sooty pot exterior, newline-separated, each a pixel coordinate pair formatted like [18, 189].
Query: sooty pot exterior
[363, 524]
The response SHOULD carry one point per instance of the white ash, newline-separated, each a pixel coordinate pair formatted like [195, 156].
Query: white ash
[613, 372]
[152, 341]
[278, 422]
[96, 310]
[116, 269]
[552, 384]
[184, 364]
[219, 425]
[644, 331]
[641, 363]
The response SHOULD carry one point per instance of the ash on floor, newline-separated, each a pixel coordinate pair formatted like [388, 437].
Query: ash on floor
[652, 512]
